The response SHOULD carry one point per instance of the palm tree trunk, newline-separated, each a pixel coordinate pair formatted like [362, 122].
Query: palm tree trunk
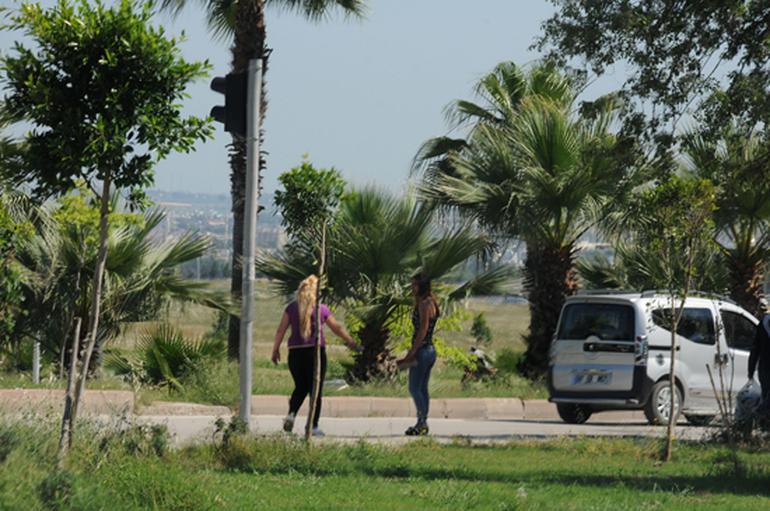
[93, 319]
[746, 275]
[375, 361]
[249, 43]
[549, 278]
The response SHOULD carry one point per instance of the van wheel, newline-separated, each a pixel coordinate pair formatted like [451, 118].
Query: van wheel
[573, 413]
[658, 405]
[699, 420]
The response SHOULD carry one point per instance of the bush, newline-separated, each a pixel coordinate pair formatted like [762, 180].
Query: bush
[165, 357]
[508, 361]
[480, 330]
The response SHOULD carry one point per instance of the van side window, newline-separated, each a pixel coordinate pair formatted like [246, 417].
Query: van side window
[739, 331]
[606, 321]
[697, 325]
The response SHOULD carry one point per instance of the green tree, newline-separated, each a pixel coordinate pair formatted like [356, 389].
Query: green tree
[244, 20]
[308, 201]
[737, 165]
[141, 275]
[11, 233]
[378, 243]
[544, 175]
[101, 88]
[673, 222]
[698, 58]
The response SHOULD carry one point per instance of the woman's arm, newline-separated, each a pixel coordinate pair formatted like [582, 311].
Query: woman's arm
[276, 357]
[343, 334]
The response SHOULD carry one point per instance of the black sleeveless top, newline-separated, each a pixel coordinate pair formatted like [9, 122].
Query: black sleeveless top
[428, 341]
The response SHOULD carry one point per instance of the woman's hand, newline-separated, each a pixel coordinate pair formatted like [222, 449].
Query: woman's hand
[276, 357]
[353, 346]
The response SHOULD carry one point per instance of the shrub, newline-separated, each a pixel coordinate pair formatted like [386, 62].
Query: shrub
[508, 361]
[480, 330]
[165, 357]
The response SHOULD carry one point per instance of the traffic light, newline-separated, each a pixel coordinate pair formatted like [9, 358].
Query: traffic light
[233, 114]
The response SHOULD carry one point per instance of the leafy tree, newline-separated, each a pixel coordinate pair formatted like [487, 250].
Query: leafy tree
[673, 222]
[11, 235]
[542, 174]
[244, 20]
[141, 276]
[698, 58]
[101, 89]
[308, 201]
[378, 243]
[737, 165]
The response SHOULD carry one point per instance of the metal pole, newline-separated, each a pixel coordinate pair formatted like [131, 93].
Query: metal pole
[249, 235]
[36, 362]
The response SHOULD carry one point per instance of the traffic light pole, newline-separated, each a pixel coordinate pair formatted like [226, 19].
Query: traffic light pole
[253, 96]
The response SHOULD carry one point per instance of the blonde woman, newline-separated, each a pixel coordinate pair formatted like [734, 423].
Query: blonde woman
[300, 315]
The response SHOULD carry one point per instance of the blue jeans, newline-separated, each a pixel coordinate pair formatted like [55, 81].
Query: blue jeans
[418, 381]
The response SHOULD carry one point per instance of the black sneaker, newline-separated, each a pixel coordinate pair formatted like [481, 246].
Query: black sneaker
[288, 423]
[419, 430]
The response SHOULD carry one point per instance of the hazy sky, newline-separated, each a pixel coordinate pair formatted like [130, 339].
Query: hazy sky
[358, 95]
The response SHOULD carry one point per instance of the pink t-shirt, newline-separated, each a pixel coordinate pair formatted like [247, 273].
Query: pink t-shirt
[295, 339]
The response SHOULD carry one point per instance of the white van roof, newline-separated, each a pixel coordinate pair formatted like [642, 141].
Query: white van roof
[632, 296]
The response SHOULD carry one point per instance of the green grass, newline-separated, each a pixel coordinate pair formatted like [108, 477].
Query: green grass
[133, 470]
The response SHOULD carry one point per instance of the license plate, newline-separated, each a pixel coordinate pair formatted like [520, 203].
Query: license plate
[592, 376]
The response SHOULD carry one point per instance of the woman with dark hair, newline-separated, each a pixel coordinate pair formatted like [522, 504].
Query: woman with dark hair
[422, 355]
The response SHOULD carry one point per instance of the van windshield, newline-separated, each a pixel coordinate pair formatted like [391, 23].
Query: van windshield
[604, 320]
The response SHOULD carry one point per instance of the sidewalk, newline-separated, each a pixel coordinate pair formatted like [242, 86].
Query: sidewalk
[116, 402]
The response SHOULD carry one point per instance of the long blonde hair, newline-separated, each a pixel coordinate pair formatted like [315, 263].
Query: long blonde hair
[306, 301]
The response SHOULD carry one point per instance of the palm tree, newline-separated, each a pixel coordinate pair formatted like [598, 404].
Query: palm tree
[738, 165]
[378, 242]
[245, 22]
[542, 174]
[141, 274]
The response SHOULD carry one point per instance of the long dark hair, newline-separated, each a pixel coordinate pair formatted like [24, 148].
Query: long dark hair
[424, 290]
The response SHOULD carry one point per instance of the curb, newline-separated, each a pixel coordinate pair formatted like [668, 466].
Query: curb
[51, 401]
[384, 407]
[120, 402]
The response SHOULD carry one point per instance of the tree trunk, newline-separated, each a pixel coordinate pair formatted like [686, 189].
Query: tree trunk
[65, 434]
[746, 275]
[317, 364]
[672, 382]
[93, 320]
[249, 43]
[375, 360]
[549, 278]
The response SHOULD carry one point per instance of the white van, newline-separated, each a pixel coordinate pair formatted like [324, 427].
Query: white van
[612, 351]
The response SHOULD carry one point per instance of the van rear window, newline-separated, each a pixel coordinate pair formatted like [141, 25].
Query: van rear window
[610, 322]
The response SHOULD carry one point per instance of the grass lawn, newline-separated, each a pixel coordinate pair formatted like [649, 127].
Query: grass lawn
[218, 383]
[124, 471]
